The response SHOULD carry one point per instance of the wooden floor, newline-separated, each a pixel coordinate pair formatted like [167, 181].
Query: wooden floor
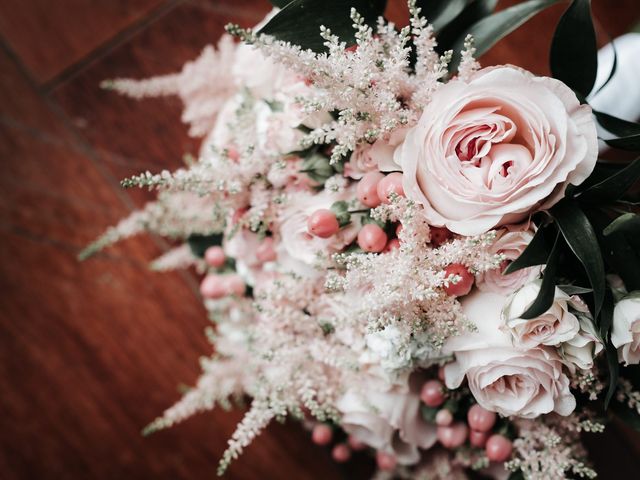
[91, 352]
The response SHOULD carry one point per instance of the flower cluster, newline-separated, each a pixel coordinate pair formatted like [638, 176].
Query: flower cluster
[353, 214]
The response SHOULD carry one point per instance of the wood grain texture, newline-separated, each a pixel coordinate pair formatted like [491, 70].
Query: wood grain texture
[91, 352]
[52, 35]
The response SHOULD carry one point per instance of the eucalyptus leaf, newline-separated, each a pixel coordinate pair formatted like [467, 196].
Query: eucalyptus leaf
[628, 222]
[581, 238]
[489, 30]
[536, 253]
[615, 186]
[574, 52]
[440, 13]
[545, 297]
[300, 20]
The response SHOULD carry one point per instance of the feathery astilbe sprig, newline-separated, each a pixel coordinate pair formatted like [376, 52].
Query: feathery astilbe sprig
[371, 86]
[203, 85]
[550, 447]
[180, 257]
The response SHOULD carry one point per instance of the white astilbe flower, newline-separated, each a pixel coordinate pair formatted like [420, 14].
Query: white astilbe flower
[404, 287]
[203, 85]
[178, 258]
[550, 447]
[372, 85]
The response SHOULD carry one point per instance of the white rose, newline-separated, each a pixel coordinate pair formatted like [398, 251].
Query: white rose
[553, 327]
[490, 151]
[502, 378]
[510, 241]
[625, 335]
[388, 419]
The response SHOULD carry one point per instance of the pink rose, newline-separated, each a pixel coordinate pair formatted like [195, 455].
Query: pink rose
[625, 335]
[502, 378]
[360, 162]
[388, 419]
[489, 152]
[297, 241]
[510, 242]
[553, 327]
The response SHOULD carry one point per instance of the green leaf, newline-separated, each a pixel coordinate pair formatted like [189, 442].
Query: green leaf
[615, 186]
[280, 3]
[606, 320]
[574, 52]
[489, 30]
[614, 67]
[628, 132]
[574, 289]
[440, 13]
[200, 243]
[628, 416]
[300, 20]
[545, 297]
[474, 11]
[628, 222]
[536, 253]
[581, 238]
[617, 250]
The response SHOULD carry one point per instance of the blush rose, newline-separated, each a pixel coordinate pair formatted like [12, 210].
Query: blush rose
[489, 151]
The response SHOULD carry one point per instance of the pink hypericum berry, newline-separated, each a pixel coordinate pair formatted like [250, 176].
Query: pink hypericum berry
[321, 434]
[386, 461]
[444, 418]
[478, 439]
[432, 393]
[392, 183]
[441, 375]
[341, 453]
[453, 436]
[498, 448]
[212, 286]
[439, 235]
[323, 223]
[463, 286]
[367, 189]
[266, 251]
[481, 419]
[355, 444]
[214, 256]
[371, 238]
[392, 244]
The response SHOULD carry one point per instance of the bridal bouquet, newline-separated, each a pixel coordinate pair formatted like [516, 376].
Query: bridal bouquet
[418, 258]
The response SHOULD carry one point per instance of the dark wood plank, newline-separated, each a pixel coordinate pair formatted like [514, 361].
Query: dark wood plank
[115, 125]
[93, 351]
[51, 36]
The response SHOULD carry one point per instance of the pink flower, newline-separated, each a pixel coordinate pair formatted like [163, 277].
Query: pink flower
[297, 241]
[502, 378]
[553, 327]
[360, 162]
[510, 241]
[625, 335]
[489, 152]
[388, 420]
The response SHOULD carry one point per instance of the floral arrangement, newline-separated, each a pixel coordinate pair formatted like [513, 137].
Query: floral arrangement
[415, 256]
